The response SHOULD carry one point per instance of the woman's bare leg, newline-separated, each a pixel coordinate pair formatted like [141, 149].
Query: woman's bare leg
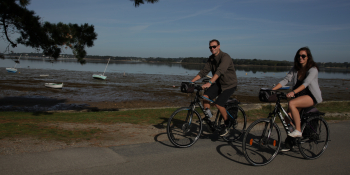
[294, 107]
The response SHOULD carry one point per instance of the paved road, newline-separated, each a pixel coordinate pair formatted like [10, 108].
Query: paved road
[207, 156]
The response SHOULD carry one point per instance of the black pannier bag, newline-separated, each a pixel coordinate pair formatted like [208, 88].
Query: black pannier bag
[187, 87]
[312, 126]
[232, 107]
[267, 95]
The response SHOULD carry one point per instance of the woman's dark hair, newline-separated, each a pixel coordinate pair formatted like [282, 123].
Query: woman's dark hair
[310, 61]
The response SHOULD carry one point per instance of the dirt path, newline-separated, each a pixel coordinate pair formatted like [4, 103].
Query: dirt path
[111, 135]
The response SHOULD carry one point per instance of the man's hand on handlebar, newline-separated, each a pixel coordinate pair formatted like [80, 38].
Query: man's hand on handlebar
[206, 85]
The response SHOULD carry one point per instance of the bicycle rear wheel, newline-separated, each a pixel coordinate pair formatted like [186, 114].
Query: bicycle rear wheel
[261, 143]
[238, 127]
[184, 127]
[315, 138]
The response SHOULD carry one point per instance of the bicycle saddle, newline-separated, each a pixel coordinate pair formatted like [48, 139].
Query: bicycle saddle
[232, 101]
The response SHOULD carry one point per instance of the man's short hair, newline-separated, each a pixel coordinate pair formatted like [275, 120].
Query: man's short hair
[214, 40]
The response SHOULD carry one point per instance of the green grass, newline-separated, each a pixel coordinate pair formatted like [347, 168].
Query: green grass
[329, 107]
[334, 107]
[22, 129]
[22, 124]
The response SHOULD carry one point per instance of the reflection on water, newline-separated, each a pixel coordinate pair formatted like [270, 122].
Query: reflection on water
[97, 66]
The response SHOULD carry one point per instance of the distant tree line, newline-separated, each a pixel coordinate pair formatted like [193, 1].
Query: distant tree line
[242, 61]
[194, 60]
[330, 64]
[163, 60]
[238, 61]
[191, 60]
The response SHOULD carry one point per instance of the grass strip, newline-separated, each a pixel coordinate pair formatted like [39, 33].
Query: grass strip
[22, 129]
[19, 124]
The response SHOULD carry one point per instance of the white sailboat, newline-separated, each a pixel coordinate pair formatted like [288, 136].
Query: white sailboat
[54, 85]
[13, 70]
[101, 76]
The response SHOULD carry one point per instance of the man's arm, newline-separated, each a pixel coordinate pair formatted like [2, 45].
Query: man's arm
[225, 63]
[206, 69]
[212, 80]
[196, 78]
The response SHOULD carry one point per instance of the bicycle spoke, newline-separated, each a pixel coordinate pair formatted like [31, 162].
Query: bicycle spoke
[184, 129]
[315, 138]
[261, 143]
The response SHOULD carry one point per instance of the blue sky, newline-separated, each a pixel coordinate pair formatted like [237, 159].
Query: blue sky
[247, 29]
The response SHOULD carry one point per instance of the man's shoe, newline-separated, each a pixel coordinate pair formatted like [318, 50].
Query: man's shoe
[226, 129]
[287, 147]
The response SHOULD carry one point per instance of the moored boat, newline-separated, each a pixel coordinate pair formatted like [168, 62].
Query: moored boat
[12, 70]
[99, 76]
[54, 85]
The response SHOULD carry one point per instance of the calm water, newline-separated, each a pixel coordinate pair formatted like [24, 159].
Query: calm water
[152, 68]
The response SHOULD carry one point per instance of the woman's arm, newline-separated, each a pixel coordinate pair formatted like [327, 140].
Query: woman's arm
[278, 86]
[312, 74]
[288, 77]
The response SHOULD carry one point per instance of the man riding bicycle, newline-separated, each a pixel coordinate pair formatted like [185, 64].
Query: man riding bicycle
[223, 83]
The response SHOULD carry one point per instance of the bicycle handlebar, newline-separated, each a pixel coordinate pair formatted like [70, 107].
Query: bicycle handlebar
[198, 87]
[281, 95]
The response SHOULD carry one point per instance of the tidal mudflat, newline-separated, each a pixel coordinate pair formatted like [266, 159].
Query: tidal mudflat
[25, 90]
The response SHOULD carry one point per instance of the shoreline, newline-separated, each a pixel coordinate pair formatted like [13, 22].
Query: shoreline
[159, 62]
[26, 91]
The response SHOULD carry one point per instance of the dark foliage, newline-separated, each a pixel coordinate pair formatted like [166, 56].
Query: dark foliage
[48, 37]
[139, 2]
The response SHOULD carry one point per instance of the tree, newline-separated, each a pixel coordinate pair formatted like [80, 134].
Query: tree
[139, 2]
[50, 37]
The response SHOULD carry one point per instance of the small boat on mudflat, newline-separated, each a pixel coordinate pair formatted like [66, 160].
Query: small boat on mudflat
[12, 70]
[54, 85]
[101, 76]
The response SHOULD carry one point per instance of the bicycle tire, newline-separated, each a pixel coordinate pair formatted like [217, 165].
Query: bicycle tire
[314, 143]
[238, 128]
[184, 128]
[254, 146]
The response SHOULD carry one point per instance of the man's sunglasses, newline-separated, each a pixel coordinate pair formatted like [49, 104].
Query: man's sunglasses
[302, 56]
[212, 47]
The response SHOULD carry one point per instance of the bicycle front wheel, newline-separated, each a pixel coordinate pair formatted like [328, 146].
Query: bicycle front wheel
[184, 127]
[261, 142]
[315, 138]
[238, 127]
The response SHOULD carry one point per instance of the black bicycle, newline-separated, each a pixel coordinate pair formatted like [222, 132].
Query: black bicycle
[262, 139]
[185, 124]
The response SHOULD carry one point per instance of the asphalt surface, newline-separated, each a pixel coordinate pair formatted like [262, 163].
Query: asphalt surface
[209, 155]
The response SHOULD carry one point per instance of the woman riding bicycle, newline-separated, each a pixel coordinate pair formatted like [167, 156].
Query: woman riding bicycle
[306, 90]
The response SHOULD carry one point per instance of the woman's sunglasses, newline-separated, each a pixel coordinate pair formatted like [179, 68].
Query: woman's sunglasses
[302, 56]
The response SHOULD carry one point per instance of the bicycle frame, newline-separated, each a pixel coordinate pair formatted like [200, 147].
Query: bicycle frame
[278, 111]
[196, 101]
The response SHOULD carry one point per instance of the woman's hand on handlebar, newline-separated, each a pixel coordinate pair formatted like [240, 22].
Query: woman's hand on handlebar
[290, 94]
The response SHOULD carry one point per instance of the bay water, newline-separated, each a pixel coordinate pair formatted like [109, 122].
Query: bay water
[129, 67]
